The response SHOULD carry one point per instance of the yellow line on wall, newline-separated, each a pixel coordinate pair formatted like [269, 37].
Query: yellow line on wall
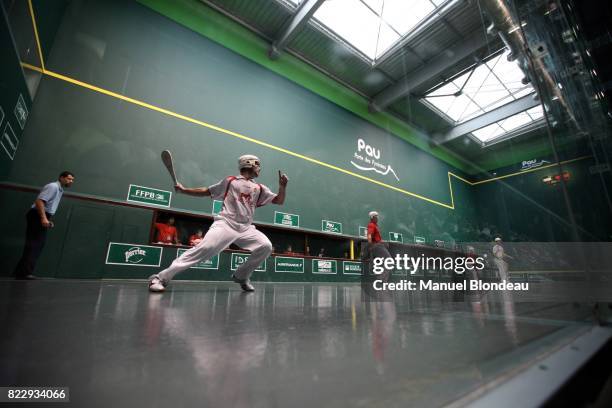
[230, 133]
[35, 26]
[281, 149]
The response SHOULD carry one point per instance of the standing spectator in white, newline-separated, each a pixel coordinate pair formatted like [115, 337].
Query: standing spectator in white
[499, 256]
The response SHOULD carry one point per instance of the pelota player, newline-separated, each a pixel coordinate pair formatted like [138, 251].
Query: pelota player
[240, 195]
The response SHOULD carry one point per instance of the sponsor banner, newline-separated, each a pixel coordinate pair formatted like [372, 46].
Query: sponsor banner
[288, 264]
[419, 240]
[396, 237]
[288, 220]
[9, 141]
[217, 206]
[324, 266]
[239, 258]
[363, 232]
[331, 226]
[212, 263]
[21, 111]
[148, 195]
[352, 268]
[133, 254]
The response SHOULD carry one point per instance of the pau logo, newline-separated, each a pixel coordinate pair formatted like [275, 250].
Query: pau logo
[135, 255]
[367, 158]
[532, 164]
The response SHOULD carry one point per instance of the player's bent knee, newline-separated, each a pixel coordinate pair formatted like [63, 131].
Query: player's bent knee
[266, 248]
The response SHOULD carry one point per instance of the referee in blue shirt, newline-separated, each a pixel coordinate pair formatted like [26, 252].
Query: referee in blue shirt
[39, 221]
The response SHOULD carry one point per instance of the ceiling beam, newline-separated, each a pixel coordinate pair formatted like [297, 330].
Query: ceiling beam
[486, 119]
[300, 18]
[433, 68]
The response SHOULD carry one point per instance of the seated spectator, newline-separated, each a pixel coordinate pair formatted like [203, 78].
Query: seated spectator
[307, 251]
[321, 253]
[196, 238]
[289, 251]
[167, 233]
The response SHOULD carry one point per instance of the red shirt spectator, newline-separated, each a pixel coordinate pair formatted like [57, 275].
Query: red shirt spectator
[166, 233]
[196, 238]
[374, 232]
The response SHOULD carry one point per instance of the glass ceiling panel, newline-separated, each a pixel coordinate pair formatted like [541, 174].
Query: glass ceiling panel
[516, 121]
[488, 133]
[353, 21]
[489, 85]
[536, 113]
[375, 5]
[484, 88]
[404, 15]
[373, 26]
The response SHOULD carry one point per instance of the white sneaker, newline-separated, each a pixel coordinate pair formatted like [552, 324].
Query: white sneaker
[156, 284]
[245, 284]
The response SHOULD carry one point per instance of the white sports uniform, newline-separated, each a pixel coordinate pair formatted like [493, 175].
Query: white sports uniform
[233, 225]
[500, 262]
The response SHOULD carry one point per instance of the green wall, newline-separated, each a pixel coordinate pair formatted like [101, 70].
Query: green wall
[12, 86]
[523, 208]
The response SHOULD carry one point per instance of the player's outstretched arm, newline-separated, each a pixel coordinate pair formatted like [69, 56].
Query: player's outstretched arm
[282, 187]
[199, 191]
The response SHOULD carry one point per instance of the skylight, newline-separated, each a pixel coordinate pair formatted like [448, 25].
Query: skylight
[497, 129]
[373, 26]
[488, 86]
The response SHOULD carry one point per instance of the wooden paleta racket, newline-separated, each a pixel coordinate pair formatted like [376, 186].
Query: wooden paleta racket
[166, 157]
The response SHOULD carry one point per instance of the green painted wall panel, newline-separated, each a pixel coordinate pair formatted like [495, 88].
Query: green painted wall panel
[12, 86]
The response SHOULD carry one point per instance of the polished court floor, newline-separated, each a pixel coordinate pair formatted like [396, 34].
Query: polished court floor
[298, 345]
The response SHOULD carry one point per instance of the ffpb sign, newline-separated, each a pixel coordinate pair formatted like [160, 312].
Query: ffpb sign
[148, 195]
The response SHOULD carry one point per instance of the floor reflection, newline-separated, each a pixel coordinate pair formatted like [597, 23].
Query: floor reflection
[214, 345]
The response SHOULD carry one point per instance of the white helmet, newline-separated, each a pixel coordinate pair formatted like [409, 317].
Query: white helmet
[372, 214]
[248, 161]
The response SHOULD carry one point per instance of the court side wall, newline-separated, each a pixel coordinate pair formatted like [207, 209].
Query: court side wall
[13, 90]
[525, 208]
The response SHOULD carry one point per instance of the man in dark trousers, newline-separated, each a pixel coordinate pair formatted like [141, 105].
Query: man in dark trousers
[39, 221]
